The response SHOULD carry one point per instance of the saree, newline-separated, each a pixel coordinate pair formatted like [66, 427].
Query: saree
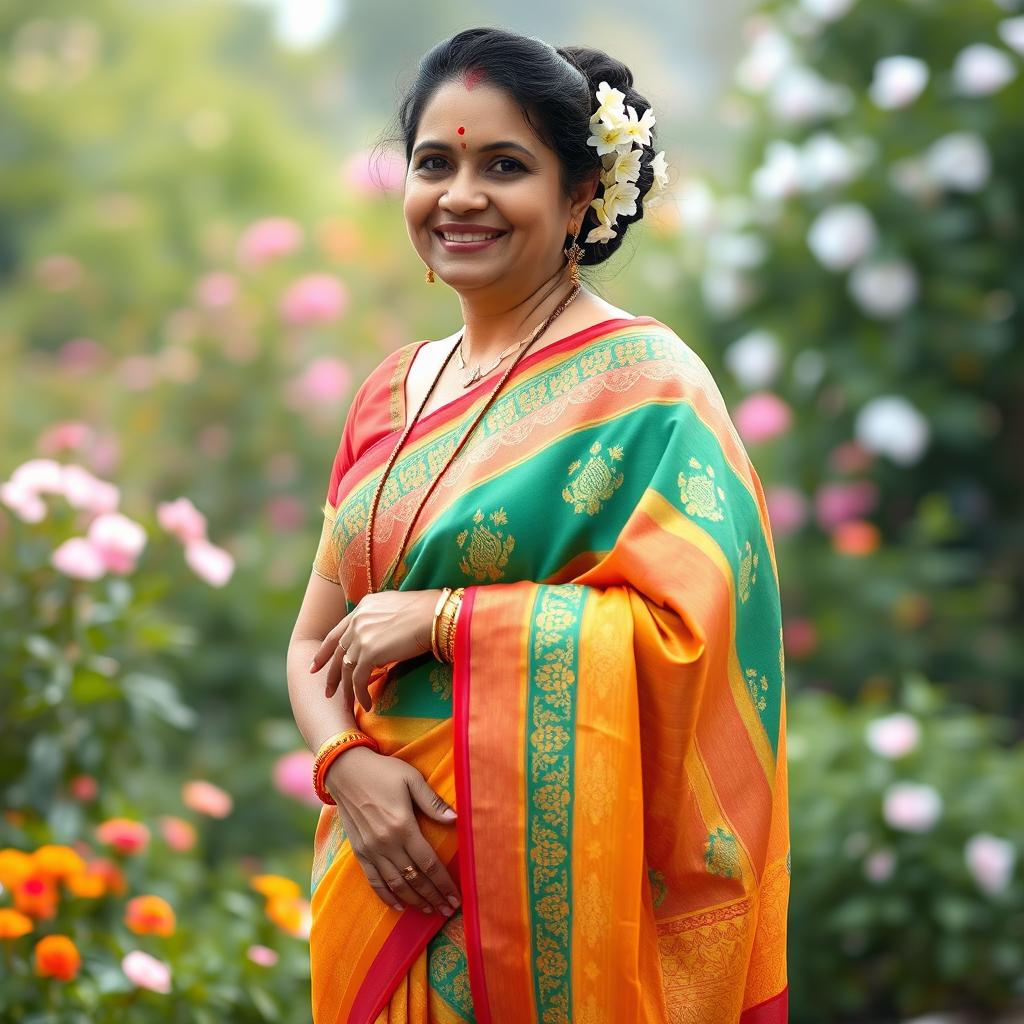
[611, 731]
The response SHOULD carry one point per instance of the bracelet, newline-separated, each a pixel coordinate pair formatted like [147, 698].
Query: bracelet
[433, 625]
[330, 750]
[449, 619]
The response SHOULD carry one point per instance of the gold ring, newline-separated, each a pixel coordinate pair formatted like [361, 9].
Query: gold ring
[409, 873]
[347, 662]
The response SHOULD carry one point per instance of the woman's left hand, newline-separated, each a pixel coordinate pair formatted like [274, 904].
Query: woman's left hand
[385, 627]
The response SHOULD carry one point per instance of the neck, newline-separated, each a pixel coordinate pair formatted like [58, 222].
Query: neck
[495, 322]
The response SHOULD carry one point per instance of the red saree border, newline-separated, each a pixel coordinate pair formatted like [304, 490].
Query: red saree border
[405, 942]
[464, 824]
[771, 1011]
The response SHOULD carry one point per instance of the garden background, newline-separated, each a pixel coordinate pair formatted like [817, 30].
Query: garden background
[202, 256]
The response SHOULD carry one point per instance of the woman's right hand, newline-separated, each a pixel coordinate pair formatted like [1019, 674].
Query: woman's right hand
[376, 795]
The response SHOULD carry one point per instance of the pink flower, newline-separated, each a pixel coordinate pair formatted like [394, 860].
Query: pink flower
[59, 272]
[370, 172]
[762, 416]
[262, 955]
[26, 504]
[991, 861]
[146, 971]
[178, 833]
[182, 519]
[267, 239]
[314, 299]
[65, 436]
[293, 776]
[118, 539]
[911, 806]
[787, 509]
[216, 290]
[799, 637]
[83, 788]
[78, 559]
[124, 834]
[850, 457]
[210, 563]
[838, 503]
[879, 865]
[81, 355]
[286, 512]
[41, 476]
[325, 381]
[893, 736]
[83, 490]
[206, 798]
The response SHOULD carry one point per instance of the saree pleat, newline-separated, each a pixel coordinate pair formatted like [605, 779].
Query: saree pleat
[612, 730]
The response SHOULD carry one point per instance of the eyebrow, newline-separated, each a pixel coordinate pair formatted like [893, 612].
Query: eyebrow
[507, 144]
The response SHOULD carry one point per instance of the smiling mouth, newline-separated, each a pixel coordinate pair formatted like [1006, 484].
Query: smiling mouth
[469, 236]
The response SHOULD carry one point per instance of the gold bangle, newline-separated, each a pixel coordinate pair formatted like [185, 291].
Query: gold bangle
[333, 747]
[449, 616]
[433, 625]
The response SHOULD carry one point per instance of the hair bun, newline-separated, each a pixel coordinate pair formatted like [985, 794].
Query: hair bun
[597, 67]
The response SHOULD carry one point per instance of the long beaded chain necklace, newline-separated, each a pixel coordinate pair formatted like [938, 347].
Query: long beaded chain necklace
[573, 292]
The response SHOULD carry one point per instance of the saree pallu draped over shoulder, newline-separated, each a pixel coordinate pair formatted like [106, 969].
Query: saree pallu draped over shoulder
[612, 730]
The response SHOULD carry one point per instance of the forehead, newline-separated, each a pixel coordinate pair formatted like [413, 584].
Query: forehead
[482, 110]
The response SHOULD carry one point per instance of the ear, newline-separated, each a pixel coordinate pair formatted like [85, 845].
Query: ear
[581, 196]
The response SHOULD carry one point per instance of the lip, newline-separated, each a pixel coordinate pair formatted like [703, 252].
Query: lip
[467, 247]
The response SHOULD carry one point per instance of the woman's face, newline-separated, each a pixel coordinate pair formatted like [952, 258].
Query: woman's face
[484, 205]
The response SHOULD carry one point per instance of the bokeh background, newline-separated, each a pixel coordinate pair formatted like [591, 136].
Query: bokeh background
[201, 257]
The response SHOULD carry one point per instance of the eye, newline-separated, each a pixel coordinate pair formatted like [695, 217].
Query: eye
[424, 164]
[511, 166]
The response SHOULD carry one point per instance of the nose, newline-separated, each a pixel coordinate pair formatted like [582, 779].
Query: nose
[464, 193]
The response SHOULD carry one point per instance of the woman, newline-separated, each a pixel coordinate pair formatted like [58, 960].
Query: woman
[592, 726]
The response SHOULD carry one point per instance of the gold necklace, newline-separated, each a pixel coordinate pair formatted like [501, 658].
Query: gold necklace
[573, 292]
[479, 372]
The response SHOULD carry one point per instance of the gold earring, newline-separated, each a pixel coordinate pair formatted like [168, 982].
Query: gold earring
[574, 254]
[429, 276]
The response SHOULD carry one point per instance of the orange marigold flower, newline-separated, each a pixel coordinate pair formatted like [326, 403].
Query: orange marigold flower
[149, 915]
[57, 957]
[856, 537]
[273, 886]
[15, 867]
[14, 924]
[58, 862]
[285, 912]
[90, 883]
[124, 834]
[36, 896]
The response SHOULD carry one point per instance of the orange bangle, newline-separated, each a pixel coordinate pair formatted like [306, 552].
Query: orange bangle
[330, 749]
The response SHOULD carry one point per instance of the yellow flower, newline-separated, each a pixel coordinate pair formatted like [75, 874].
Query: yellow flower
[273, 886]
[58, 862]
[14, 924]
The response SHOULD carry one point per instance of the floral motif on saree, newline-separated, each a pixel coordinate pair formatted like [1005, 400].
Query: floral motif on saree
[612, 731]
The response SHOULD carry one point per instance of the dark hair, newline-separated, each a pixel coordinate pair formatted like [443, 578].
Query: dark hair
[555, 90]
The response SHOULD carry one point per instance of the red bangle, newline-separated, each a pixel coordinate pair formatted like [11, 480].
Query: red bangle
[330, 750]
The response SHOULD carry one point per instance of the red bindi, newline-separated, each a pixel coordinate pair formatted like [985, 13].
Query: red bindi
[461, 130]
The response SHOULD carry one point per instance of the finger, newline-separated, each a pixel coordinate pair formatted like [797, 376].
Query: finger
[360, 680]
[334, 671]
[380, 887]
[341, 673]
[424, 856]
[328, 645]
[398, 885]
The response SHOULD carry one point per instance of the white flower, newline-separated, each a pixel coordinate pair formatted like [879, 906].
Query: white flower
[779, 175]
[768, 56]
[898, 81]
[959, 161]
[622, 167]
[980, 70]
[800, 94]
[608, 138]
[826, 162]
[736, 249]
[990, 860]
[842, 235]
[827, 10]
[610, 105]
[884, 289]
[911, 806]
[638, 129]
[620, 199]
[727, 291]
[755, 359]
[893, 736]
[659, 167]
[1011, 31]
[890, 425]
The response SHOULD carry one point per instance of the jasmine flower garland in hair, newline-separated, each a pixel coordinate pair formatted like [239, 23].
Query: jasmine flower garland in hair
[619, 135]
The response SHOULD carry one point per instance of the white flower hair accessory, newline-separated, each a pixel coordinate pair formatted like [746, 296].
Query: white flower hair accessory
[620, 136]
